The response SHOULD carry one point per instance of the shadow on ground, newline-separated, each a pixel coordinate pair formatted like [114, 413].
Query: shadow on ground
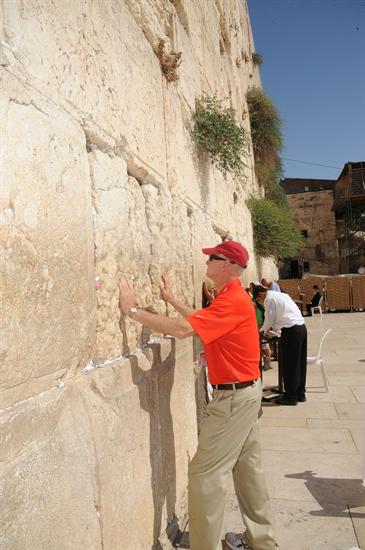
[336, 497]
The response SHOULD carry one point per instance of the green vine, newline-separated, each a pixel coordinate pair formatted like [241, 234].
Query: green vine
[216, 130]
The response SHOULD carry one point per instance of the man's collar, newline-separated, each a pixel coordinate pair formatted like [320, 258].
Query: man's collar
[228, 286]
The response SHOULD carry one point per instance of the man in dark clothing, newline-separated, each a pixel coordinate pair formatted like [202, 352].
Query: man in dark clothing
[314, 301]
[282, 314]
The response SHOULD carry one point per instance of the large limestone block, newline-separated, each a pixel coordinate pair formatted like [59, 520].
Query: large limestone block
[183, 411]
[188, 169]
[154, 17]
[140, 231]
[93, 59]
[142, 412]
[46, 251]
[122, 247]
[168, 223]
[121, 403]
[49, 487]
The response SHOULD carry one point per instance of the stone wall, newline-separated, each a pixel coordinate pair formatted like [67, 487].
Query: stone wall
[99, 176]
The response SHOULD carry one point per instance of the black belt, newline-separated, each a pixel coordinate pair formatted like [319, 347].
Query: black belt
[233, 386]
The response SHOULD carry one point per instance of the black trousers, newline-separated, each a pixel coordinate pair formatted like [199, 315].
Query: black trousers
[293, 360]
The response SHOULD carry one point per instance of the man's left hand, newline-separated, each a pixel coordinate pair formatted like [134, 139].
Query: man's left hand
[127, 296]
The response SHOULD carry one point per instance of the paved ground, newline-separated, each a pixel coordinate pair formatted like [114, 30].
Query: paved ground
[313, 453]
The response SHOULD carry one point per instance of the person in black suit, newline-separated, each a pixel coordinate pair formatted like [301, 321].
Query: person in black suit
[314, 301]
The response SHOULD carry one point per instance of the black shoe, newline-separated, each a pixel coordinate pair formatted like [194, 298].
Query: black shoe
[302, 398]
[282, 400]
[236, 542]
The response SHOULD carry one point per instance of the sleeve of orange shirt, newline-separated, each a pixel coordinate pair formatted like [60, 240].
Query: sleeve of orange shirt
[214, 321]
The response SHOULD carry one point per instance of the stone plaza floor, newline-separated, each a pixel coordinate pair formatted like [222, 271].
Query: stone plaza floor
[314, 452]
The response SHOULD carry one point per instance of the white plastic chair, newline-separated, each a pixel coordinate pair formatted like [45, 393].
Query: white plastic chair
[318, 359]
[319, 307]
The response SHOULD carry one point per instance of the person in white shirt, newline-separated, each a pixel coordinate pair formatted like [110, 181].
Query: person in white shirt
[282, 313]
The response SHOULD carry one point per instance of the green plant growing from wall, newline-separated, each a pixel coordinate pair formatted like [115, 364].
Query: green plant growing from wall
[218, 133]
[274, 230]
[257, 59]
[266, 135]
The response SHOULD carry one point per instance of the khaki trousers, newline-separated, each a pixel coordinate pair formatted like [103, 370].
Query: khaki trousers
[229, 445]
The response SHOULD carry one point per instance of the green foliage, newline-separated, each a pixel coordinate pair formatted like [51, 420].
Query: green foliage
[266, 134]
[257, 59]
[268, 174]
[265, 125]
[274, 230]
[277, 195]
[216, 130]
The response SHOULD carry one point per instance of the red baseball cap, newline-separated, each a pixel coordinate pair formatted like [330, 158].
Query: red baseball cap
[233, 251]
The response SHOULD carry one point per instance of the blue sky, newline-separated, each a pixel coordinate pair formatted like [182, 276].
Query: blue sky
[314, 72]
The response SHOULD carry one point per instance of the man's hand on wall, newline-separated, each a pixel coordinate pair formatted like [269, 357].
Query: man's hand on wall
[170, 298]
[127, 295]
[166, 289]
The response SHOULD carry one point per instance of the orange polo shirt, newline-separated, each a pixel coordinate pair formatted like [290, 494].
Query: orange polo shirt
[228, 329]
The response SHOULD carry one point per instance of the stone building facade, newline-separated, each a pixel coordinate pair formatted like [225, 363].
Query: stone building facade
[349, 210]
[311, 203]
[99, 176]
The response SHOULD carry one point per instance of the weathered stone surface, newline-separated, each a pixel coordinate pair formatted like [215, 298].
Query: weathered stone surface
[81, 39]
[100, 177]
[49, 497]
[46, 248]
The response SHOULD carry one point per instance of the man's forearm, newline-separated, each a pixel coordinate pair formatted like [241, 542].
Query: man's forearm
[184, 310]
[180, 328]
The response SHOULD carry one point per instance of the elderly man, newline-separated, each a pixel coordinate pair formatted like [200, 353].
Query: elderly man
[282, 313]
[271, 285]
[228, 440]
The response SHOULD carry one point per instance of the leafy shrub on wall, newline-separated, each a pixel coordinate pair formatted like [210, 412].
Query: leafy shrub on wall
[266, 135]
[274, 230]
[265, 123]
[216, 130]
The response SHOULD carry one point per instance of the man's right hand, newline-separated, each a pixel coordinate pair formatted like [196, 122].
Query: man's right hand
[170, 298]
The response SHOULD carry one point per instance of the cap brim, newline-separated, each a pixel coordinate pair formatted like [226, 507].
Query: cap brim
[209, 251]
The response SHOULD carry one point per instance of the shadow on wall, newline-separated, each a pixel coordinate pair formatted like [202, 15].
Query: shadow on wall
[154, 387]
[337, 497]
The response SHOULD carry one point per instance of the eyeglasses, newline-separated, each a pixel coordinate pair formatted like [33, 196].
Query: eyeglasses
[214, 257]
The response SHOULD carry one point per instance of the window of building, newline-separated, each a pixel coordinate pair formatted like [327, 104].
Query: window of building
[306, 266]
[304, 232]
[318, 252]
[306, 188]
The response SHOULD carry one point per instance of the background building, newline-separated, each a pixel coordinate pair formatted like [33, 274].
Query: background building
[311, 202]
[349, 209]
